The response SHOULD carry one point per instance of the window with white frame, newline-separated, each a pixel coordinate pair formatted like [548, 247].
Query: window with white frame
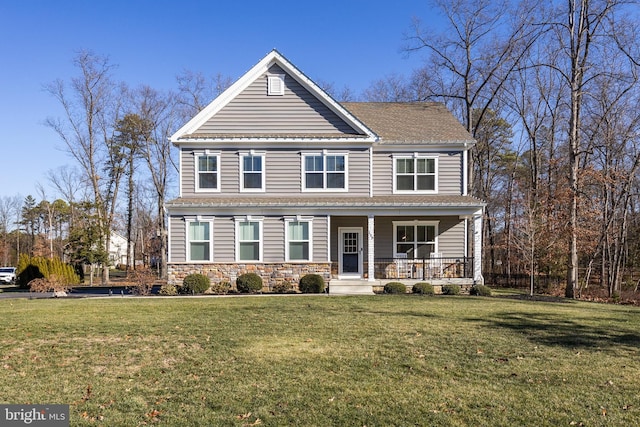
[252, 172]
[298, 239]
[199, 243]
[415, 174]
[207, 172]
[416, 239]
[249, 240]
[325, 171]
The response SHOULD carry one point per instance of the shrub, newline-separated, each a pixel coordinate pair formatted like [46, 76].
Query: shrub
[395, 288]
[53, 283]
[283, 288]
[311, 284]
[450, 289]
[195, 284]
[168, 290]
[249, 283]
[423, 288]
[220, 288]
[37, 267]
[480, 290]
[142, 281]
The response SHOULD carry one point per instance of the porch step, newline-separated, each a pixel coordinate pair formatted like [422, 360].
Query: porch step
[350, 287]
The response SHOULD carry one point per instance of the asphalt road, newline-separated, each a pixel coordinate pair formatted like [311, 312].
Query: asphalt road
[8, 291]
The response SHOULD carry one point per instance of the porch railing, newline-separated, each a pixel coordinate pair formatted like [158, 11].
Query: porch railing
[424, 268]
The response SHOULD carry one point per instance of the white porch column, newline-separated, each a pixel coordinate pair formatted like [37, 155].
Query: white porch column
[477, 248]
[371, 245]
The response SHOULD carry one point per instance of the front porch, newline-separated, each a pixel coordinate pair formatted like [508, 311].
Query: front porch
[437, 271]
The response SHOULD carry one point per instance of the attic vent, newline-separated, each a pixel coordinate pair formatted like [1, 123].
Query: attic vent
[275, 84]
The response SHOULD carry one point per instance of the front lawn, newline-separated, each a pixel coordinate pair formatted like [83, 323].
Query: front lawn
[321, 361]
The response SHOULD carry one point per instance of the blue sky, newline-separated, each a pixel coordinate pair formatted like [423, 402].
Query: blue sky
[347, 42]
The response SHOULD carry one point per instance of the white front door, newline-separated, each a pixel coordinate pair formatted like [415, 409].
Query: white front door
[350, 252]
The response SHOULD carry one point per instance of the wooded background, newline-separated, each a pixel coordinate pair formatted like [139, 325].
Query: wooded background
[549, 90]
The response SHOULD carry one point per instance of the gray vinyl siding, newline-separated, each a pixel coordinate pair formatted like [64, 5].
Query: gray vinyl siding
[178, 247]
[224, 239]
[188, 171]
[320, 239]
[451, 240]
[273, 239]
[255, 112]
[450, 235]
[449, 173]
[283, 170]
[224, 247]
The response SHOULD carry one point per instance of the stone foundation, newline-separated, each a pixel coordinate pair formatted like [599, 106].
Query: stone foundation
[272, 273]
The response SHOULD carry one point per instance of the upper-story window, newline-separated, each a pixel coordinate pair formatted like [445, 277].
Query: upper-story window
[252, 172]
[415, 174]
[208, 172]
[325, 172]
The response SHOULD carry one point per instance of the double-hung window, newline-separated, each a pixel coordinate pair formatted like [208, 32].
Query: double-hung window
[252, 172]
[298, 239]
[207, 172]
[325, 172]
[416, 239]
[199, 244]
[415, 174]
[249, 239]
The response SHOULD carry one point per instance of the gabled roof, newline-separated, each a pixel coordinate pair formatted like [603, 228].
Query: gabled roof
[410, 122]
[189, 131]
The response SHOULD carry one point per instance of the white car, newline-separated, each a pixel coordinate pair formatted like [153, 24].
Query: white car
[7, 274]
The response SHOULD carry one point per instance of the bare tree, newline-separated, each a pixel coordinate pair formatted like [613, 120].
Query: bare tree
[91, 110]
[9, 217]
[161, 113]
[580, 31]
[195, 91]
[469, 65]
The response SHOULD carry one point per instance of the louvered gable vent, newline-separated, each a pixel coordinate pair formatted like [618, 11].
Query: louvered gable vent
[275, 84]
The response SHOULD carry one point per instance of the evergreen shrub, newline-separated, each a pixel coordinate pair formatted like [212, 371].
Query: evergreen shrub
[395, 288]
[451, 289]
[195, 284]
[480, 290]
[311, 284]
[37, 267]
[249, 283]
[423, 288]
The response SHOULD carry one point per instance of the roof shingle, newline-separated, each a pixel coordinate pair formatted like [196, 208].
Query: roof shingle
[397, 122]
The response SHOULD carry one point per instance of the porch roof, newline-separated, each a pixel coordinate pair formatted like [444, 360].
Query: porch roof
[331, 202]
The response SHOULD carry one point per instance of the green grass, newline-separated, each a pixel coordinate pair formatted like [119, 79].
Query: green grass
[321, 361]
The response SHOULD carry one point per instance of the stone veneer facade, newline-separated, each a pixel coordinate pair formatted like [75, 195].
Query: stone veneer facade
[272, 273]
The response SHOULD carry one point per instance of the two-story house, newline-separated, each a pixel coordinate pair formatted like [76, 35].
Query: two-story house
[278, 178]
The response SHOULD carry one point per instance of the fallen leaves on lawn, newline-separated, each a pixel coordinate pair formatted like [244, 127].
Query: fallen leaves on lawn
[87, 395]
[154, 415]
